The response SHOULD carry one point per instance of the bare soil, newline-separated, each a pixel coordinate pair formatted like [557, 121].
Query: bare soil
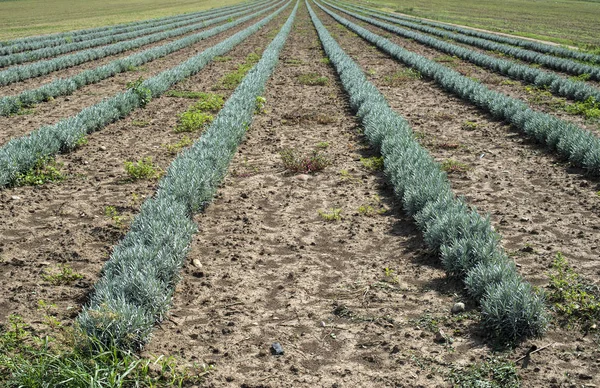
[355, 301]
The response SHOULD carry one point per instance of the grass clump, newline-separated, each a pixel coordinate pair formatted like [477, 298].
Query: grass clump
[142, 169]
[28, 360]
[401, 77]
[590, 108]
[295, 161]
[221, 59]
[333, 214]
[174, 148]
[233, 79]
[470, 125]
[45, 170]
[494, 373]
[575, 299]
[313, 79]
[373, 163]
[64, 276]
[372, 208]
[199, 115]
[193, 120]
[112, 213]
[140, 123]
[452, 166]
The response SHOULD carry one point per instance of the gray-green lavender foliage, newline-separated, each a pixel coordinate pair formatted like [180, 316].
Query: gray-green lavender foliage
[561, 64]
[65, 86]
[579, 146]
[62, 38]
[573, 89]
[48, 52]
[469, 247]
[514, 41]
[21, 154]
[36, 69]
[137, 282]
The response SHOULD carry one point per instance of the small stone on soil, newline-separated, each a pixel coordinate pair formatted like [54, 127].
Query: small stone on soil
[276, 349]
[458, 308]
[440, 336]
[303, 177]
[197, 263]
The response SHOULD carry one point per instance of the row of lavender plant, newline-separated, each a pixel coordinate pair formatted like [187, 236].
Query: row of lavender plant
[21, 154]
[468, 246]
[137, 282]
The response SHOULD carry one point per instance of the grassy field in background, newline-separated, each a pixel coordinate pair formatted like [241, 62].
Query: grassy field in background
[34, 17]
[563, 21]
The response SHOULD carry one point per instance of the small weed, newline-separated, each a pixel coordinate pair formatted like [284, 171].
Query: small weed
[401, 77]
[25, 111]
[372, 208]
[142, 169]
[221, 59]
[65, 276]
[136, 68]
[260, 105]
[470, 126]
[453, 166]
[543, 96]
[112, 213]
[589, 108]
[333, 214]
[373, 163]
[144, 94]
[313, 79]
[581, 77]
[83, 140]
[196, 117]
[293, 61]
[428, 322]
[297, 162]
[233, 79]
[447, 59]
[174, 148]
[325, 60]
[136, 199]
[192, 121]
[371, 72]
[45, 170]
[494, 373]
[323, 145]
[574, 298]
[509, 82]
[140, 123]
[345, 176]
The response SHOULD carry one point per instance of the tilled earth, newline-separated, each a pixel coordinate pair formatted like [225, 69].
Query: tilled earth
[357, 301]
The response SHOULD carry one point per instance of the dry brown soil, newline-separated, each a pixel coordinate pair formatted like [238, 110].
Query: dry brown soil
[351, 301]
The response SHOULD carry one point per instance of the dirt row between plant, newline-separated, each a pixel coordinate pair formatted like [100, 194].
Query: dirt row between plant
[283, 274]
[538, 205]
[65, 106]
[65, 223]
[495, 81]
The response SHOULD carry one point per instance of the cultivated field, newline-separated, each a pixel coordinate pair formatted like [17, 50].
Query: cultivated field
[298, 194]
